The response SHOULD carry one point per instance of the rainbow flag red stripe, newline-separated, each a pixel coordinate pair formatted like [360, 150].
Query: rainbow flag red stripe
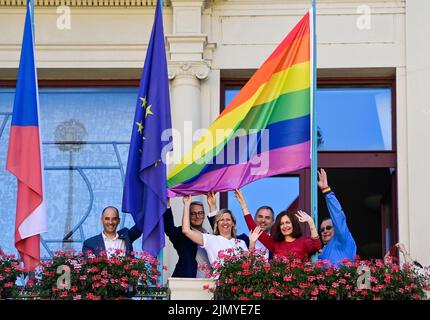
[24, 158]
[263, 132]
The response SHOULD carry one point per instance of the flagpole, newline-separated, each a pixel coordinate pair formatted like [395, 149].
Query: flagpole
[161, 254]
[314, 160]
[31, 4]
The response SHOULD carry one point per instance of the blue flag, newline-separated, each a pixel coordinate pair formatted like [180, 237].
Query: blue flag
[145, 186]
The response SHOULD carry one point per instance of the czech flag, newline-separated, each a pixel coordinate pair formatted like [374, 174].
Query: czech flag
[24, 158]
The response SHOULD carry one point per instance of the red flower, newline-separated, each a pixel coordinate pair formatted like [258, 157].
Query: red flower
[246, 265]
[257, 294]
[288, 278]
[90, 296]
[364, 293]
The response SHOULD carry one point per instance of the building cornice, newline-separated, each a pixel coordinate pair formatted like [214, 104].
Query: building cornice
[85, 3]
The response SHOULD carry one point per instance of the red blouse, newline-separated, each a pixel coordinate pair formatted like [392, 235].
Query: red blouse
[301, 248]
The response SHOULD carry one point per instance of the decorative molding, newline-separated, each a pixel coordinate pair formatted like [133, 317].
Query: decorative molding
[85, 3]
[198, 69]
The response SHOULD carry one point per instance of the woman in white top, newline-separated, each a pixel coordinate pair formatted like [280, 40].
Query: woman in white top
[223, 237]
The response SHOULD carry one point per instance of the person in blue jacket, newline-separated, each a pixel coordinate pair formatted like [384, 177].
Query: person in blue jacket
[337, 240]
[110, 241]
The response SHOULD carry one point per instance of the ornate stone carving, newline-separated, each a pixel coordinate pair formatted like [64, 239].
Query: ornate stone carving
[200, 70]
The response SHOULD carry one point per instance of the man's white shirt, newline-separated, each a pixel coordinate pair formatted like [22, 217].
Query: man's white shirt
[113, 244]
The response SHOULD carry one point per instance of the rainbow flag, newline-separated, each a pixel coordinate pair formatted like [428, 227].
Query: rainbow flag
[264, 131]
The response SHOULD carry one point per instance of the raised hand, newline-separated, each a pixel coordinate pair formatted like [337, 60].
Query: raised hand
[303, 216]
[255, 234]
[187, 200]
[210, 197]
[322, 179]
[240, 198]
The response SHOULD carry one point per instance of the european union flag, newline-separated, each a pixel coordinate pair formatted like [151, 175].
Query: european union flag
[145, 186]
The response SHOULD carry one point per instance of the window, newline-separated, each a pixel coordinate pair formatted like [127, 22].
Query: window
[85, 137]
[357, 147]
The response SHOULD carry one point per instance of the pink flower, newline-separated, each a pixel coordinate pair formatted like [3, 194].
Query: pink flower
[315, 292]
[247, 290]
[288, 278]
[90, 296]
[322, 287]
[243, 298]
[332, 292]
[8, 285]
[257, 294]
[77, 297]
[134, 273]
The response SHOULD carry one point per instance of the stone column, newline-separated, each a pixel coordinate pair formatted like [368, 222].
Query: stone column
[185, 100]
[189, 66]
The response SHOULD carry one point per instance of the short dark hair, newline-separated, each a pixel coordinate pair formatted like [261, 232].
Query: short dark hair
[266, 208]
[196, 203]
[111, 207]
[297, 232]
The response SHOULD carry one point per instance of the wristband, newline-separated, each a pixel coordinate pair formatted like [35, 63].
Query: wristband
[326, 190]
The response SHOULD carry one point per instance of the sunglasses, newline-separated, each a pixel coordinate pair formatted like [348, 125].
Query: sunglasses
[328, 228]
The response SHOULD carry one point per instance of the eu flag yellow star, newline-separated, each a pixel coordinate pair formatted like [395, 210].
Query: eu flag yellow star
[144, 101]
[140, 127]
[148, 111]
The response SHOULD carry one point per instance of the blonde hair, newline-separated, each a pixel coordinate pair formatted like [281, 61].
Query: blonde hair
[218, 218]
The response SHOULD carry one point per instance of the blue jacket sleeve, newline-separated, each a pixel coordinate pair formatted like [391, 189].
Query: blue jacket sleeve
[85, 247]
[338, 217]
[169, 226]
[134, 233]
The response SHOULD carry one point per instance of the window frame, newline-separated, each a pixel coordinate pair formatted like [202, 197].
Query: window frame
[344, 159]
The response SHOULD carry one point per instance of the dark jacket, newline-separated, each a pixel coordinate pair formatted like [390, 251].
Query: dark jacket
[97, 245]
[186, 249]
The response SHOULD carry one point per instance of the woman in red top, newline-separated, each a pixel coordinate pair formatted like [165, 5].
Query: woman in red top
[286, 240]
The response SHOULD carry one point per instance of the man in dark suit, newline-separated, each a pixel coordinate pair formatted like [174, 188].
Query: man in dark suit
[190, 254]
[110, 240]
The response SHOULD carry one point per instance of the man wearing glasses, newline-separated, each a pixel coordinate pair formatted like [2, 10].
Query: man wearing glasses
[336, 238]
[190, 254]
